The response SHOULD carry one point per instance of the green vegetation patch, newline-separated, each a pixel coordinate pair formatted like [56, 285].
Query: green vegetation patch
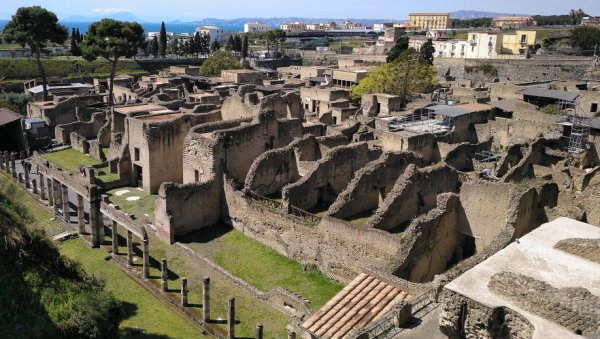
[69, 159]
[44, 294]
[262, 266]
[142, 310]
[140, 203]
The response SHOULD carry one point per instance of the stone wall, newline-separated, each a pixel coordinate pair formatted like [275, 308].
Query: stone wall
[423, 144]
[272, 170]
[246, 102]
[371, 184]
[86, 129]
[430, 243]
[460, 156]
[462, 317]
[414, 193]
[338, 248]
[329, 177]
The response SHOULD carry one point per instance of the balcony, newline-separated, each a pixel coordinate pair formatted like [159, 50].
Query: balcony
[473, 42]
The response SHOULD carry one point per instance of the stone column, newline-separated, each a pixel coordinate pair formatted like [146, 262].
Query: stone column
[13, 168]
[291, 334]
[184, 292]
[42, 186]
[57, 194]
[146, 259]
[34, 186]
[20, 177]
[231, 319]
[95, 218]
[80, 215]
[65, 201]
[115, 238]
[259, 331]
[50, 192]
[206, 300]
[129, 248]
[26, 173]
[164, 275]
[2, 162]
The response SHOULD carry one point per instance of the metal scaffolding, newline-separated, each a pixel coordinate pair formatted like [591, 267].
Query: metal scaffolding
[580, 126]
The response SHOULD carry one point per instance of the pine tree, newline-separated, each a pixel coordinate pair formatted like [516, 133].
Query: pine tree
[162, 42]
[245, 46]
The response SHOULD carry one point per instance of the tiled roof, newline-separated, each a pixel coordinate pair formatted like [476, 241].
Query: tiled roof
[361, 302]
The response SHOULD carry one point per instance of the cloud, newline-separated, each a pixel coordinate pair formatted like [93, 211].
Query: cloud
[110, 10]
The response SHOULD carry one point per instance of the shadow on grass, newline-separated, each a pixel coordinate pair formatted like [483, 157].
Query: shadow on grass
[206, 235]
[132, 332]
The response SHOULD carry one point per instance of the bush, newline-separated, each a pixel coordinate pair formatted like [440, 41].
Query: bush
[16, 102]
[551, 109]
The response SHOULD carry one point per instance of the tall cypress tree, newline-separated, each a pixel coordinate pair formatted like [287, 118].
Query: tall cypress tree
[237, 44]
[162, 42]
[78, 35]
[75, 50]
[154, 47]
[197, 45]
[245, 46]
[230, 45]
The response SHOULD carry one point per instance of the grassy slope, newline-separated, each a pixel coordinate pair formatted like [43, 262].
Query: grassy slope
[149, 315]
[264, 268]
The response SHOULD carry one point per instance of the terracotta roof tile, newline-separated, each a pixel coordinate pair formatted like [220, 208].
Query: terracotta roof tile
[361, 302]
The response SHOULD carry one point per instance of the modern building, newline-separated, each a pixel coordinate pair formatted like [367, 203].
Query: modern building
[591, 21]
[429, 20]
[255, 27]
[293, 26]
[518, 43]
[215, 32]
[513, 22]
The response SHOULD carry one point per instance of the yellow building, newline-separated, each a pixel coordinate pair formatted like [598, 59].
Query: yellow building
[429, 20]
[518, 43]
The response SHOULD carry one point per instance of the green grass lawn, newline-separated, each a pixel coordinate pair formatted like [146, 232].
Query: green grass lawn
[143, 311]
[70, 159]
[142, 208]
[262, 266]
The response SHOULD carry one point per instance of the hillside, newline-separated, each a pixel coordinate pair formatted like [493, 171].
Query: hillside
[44, 294]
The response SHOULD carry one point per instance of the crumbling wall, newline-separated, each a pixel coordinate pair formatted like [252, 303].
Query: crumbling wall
[272, 170]
[461, 317]
[85, 129]
[524, 169]
[181, 209]
[339, 249]
[246, 102]
[430, 243]
[460, 156]
[328, 178]
[414, 193]
[371, 184]
[423, 144]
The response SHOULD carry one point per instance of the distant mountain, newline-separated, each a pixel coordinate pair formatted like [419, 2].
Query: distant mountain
[276, 22]
[466, 15]
[123, 16]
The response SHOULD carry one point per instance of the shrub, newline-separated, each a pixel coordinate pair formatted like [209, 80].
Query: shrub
[15, 101]
[551, 109]
[218, 62]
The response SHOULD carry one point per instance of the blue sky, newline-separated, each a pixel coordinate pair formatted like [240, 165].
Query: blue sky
[156, 10]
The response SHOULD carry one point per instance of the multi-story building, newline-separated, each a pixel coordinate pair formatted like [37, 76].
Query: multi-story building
[255, 27]
[216, 33]
[293, 26]
[513, 22]
[429, 21]
[484, 45]
[518, 43]
[349, 25]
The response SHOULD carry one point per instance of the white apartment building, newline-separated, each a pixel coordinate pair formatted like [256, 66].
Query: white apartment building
[293, 26]
[484, 46]
[255, 27]
[216, 33]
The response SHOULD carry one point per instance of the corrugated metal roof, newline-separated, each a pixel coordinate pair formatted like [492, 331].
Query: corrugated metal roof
[456, 111]
[361, 302]
[508, 105]
[549, 93]
[8, 116]
[40, 88]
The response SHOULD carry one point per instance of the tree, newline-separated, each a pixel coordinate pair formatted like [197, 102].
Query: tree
[237, 44]
[79, 36]
[585, 37]
[153, 47]
[406, 76]
[576, 15]
[197, 44]
[399, 48]
[245, 47]
[111, 40]
[173, 46]
[205, 44]
[75, 49]
[219, 61]
[230, 45]
[35, 26]
[427, 51]
[215, 46]
[162, 42]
